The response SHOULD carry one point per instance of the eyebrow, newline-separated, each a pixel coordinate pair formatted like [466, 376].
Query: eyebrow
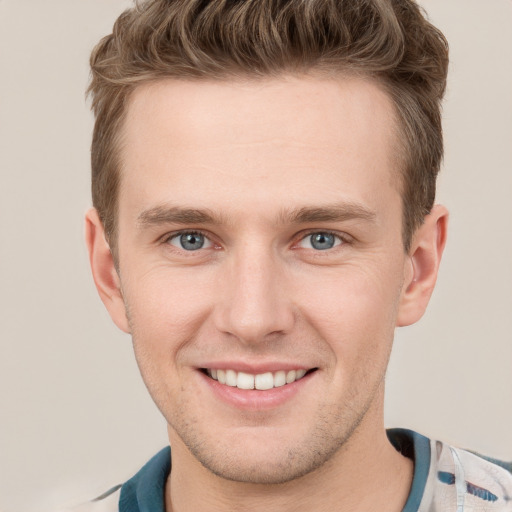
[176, 215]
[330, 213]
[163, 214]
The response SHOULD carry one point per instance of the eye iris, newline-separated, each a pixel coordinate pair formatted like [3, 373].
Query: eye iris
[322, 241]
[192, 241]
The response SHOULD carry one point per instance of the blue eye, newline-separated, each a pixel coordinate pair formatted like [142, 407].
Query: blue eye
[320, 241]
[190, 241]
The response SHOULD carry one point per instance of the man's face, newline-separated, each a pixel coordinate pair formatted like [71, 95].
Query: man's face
[260, 233]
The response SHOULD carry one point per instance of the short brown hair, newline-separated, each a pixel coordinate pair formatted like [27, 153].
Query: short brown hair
[390, 41]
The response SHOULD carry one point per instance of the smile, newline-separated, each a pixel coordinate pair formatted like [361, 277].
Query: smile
[260, 381]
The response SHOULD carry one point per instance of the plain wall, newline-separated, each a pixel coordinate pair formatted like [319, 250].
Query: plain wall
[75, 417]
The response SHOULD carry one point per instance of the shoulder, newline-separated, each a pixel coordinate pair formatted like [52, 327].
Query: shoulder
[144, 491]
[107, 502]
[501, 463]
[470, 478]
[448, 478]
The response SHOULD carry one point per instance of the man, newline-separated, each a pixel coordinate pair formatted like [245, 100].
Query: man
[264, 182]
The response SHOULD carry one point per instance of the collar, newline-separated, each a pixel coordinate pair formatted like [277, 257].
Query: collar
[145, 491]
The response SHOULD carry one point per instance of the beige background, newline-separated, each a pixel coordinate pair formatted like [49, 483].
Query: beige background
[74, 415]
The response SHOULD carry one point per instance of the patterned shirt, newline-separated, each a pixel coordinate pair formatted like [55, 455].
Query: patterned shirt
[446, 479]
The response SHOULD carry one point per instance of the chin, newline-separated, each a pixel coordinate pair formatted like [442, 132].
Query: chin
[262, 462]
[265, 472]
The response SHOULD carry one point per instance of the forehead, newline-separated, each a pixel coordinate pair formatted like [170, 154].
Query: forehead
[285, 139]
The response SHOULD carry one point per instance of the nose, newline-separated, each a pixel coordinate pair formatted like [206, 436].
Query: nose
[254, 304]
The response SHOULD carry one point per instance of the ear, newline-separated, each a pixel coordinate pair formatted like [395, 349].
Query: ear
[104, 271]
[423, 265]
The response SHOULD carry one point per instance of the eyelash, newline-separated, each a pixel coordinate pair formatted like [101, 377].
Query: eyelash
[343, 238]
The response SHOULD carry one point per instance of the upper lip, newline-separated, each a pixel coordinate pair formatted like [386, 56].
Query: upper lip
[256, 367]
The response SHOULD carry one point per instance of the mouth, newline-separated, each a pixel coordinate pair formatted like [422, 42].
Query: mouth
[260, 381]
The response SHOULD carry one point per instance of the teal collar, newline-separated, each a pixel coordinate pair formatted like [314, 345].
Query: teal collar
[145, 492]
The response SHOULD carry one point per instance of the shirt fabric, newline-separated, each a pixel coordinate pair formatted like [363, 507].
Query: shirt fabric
[446, 479]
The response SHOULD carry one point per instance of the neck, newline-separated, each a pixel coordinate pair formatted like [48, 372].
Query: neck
[367, 460]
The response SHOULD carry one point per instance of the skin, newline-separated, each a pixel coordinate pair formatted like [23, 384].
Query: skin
[252, 155]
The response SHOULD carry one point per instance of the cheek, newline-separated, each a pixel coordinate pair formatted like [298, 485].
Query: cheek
[166, 307]
[353, 308]
[166, 310]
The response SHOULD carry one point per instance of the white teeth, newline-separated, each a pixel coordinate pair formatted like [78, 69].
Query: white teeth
[279, 379]
[299, 374]
[264, 381]
[261, 381]
[231, 378]
[245, 381]
[291, 376]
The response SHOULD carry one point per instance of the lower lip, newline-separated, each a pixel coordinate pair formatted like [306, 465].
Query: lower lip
[253, 399]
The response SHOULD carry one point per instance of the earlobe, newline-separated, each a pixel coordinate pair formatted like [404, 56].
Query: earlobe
[104, 271]
[423, 266]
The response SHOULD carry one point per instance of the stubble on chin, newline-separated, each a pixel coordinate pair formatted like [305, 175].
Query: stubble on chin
[257, 462]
